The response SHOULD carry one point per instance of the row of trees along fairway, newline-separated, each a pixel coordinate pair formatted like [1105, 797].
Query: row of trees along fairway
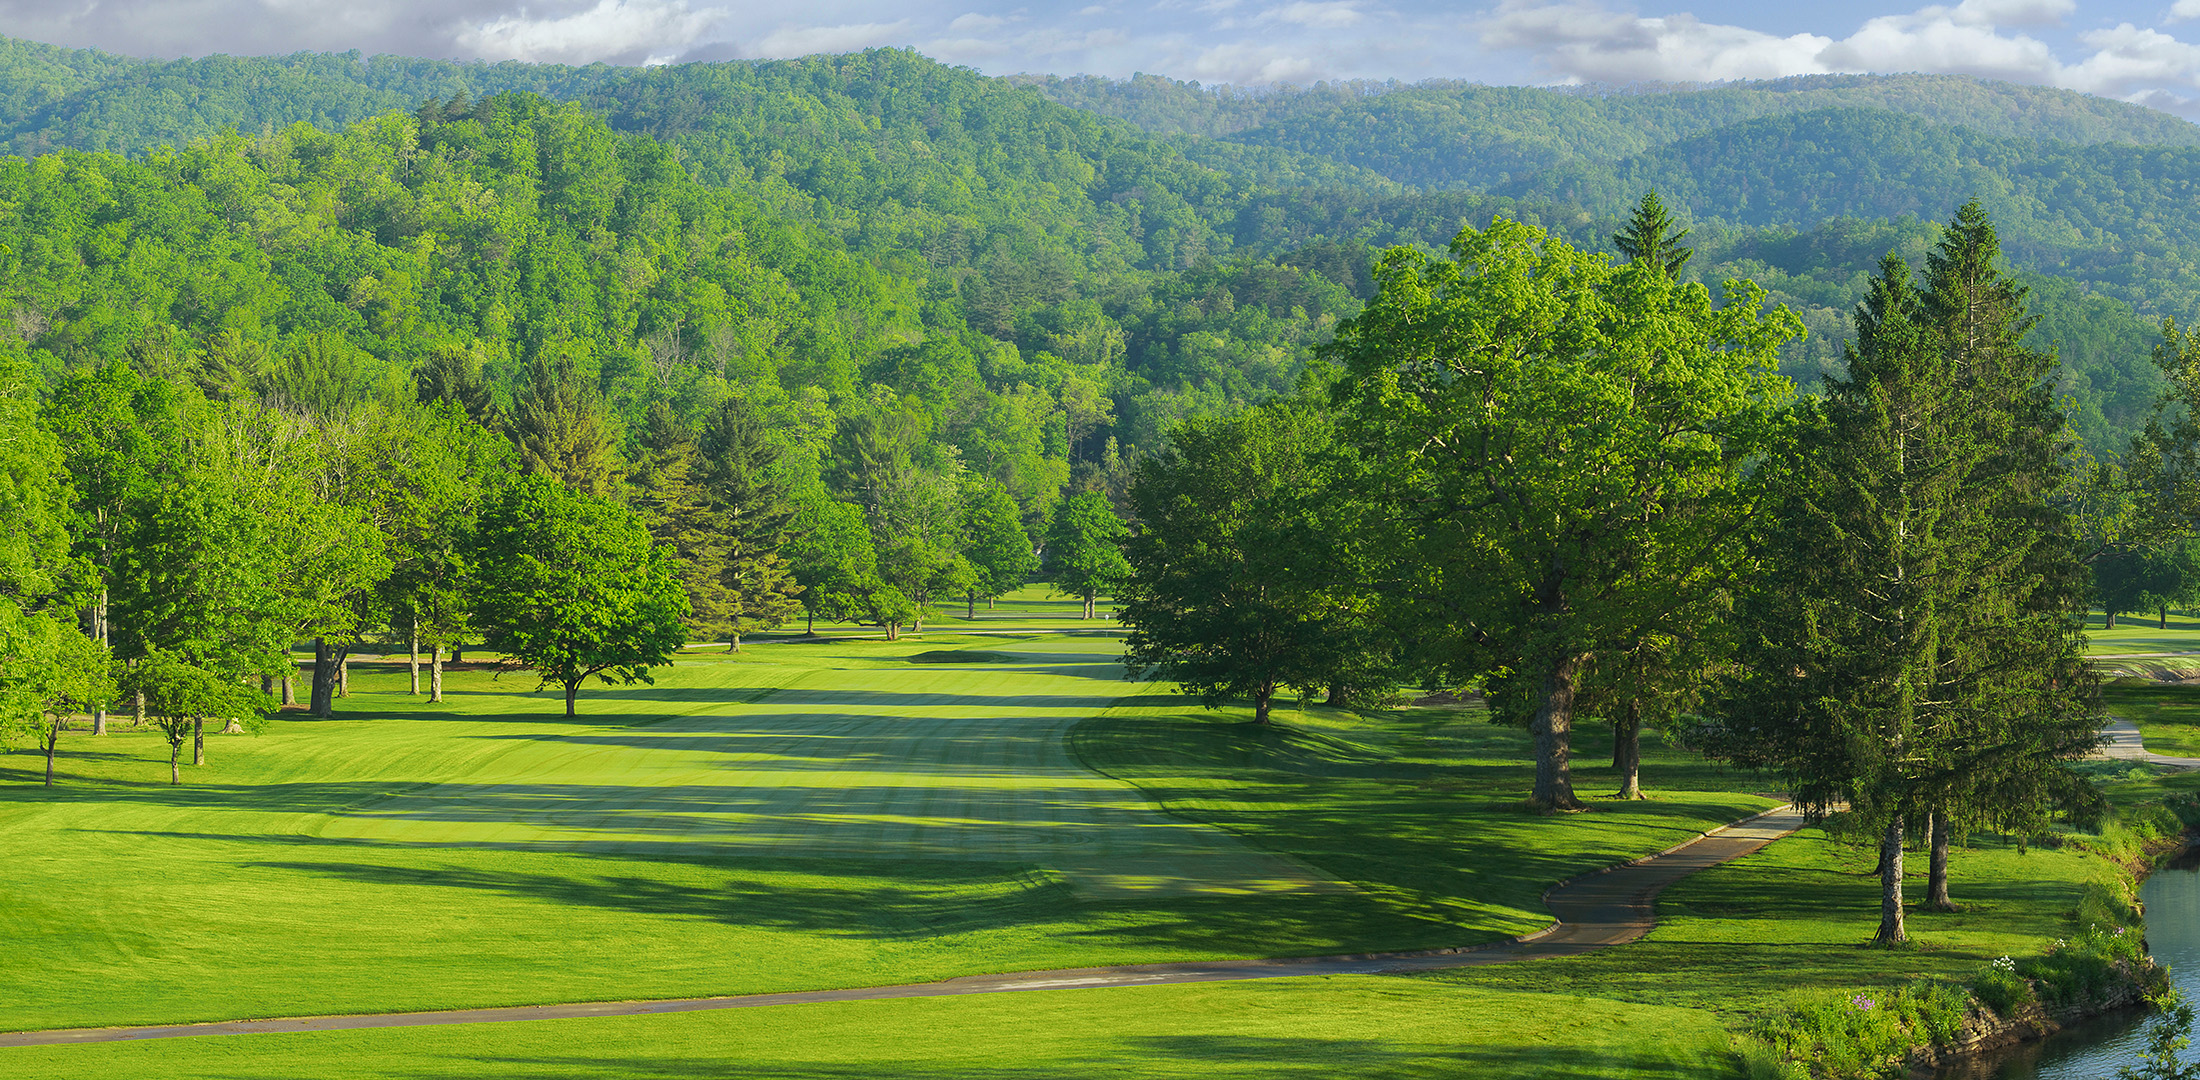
[1581, 488]
[194, 532]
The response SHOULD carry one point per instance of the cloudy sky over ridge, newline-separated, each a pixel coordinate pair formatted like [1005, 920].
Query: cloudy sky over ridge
[2140, 51]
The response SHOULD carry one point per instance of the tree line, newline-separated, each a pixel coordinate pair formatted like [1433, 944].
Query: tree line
[171, 545]
[1582, 489]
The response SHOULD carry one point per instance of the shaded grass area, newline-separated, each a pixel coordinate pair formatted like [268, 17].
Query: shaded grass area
[1427, 806]
[1736, 940]
[2167, 714]
[1312, 1028]
[2144, 634]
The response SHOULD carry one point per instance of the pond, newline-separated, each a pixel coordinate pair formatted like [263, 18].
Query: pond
[2094, 1050]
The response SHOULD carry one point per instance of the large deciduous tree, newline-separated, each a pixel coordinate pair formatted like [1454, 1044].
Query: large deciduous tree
[1235, 589]
[571, 586]
[1084, 552]
[999, 551]
[48, 670]
[1563, 445]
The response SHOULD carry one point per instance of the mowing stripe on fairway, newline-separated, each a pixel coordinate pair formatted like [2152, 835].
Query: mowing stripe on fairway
[1594, 911]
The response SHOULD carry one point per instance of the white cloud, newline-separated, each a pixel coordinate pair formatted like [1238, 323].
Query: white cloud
[2184, 9]
[810, 40]
[1243, 63]
[974, 21]
[1585, 42]
[1330, 15]
[1949, 40]
[611, 28]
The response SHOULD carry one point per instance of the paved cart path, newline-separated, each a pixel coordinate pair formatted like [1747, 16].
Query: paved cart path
[1595, 911]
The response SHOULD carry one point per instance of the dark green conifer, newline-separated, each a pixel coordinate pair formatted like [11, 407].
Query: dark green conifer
[1649, 237]
[737, 466]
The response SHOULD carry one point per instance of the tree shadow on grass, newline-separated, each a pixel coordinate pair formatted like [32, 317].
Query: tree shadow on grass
[1158, 1055]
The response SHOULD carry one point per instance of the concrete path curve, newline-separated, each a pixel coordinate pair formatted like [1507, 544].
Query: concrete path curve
[1593, 911]
[2123, 744]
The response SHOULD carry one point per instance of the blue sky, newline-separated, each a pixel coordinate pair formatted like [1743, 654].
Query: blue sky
[2147, 52]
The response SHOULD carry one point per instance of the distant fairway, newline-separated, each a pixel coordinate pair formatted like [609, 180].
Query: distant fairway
[930, 762]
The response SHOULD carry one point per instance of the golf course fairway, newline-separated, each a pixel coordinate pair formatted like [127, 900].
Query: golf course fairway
[797, 816]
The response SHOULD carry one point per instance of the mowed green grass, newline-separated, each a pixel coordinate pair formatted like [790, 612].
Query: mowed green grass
[797, 817]
[2166, 714]
[2143, 634]
[1312, 1028]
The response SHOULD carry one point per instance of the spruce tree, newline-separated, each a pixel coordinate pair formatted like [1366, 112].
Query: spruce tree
[677, 511]
[1914, 648]
[737, 466]
[1649, 237]
[558, 425]
[2026, 699]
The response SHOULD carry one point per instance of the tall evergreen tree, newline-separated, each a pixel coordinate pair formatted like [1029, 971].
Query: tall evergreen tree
[677, 510]
[453, 374]
[737, 467]
[558, 425]
[1650, 238]
[1914, 647]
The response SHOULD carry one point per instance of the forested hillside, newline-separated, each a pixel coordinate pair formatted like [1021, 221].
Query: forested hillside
[1000, 238]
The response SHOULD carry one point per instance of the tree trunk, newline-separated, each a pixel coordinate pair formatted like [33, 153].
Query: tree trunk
[1554, 729]
[1262, 699]
[343, 672]
[2164, 624]
[324, 680]
[733, 644]
[233, 727]
[435, 673]
[137, 709]
[198, 740]
[458, 651]
[2108, 619]
[1891, 931]
[175, 774]
[1627, 751]
[290, 687]
[412, 654]
[53, 742]
[1338, 696]
[972, 614]
[99, 634]
[1090, 599]
[1936, 880]
[893, 631]
[810, 628]
[572, 690]
[267, 684]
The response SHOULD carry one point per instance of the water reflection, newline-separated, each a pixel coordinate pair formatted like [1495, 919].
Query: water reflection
[2096, 1049]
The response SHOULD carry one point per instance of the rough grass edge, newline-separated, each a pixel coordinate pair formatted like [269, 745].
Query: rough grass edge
[1886, 1031]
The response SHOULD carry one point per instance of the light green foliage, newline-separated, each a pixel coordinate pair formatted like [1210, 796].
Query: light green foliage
[572, 586]
[35, 495]
[180, 697]
[999, 552]
[48, 669]
[1084, 553]
[1242, 582]
[2168, 1036]
[830, 553]
[1562, 444]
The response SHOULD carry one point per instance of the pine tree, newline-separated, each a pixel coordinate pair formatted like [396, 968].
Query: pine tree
[1649, 238]
[737, 466]
[677, 511]
[449, 373]
[2026, 700]
[558, 425]
[1914, 647]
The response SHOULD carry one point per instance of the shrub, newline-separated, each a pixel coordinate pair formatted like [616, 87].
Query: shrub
[2001, 989]
[1865, 1032]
